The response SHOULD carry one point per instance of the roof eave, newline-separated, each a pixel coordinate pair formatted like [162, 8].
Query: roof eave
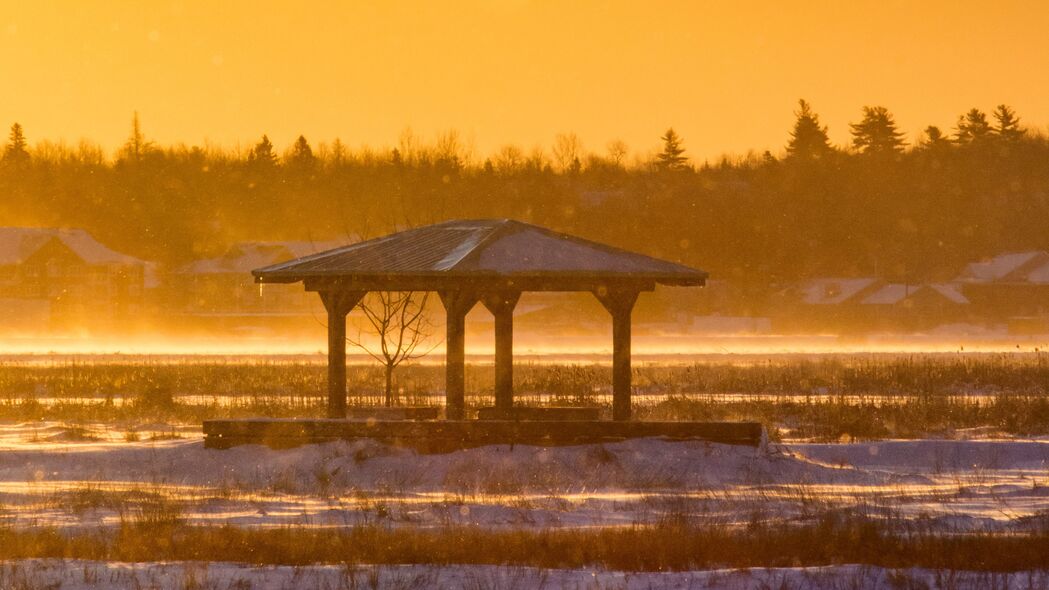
[277, 277]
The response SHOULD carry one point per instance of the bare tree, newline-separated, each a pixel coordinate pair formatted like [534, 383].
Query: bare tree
[399, 321]
[568, 151]
[450, 149]
[617, 151]
[509, 159]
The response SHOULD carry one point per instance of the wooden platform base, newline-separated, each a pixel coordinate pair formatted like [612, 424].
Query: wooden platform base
[397, 413]
[445, 436]
[552, 414]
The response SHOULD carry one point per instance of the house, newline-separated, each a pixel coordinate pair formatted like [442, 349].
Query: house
[65, 277]
[1009, 285]
[836, 291]
[223, 286]
[914, 307]
[1014, 267]
[865, 304]
[825, 303]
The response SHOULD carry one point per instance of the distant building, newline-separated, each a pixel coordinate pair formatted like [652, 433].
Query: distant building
[865, 303]
[1014, 267]
[59, 277]
[1009, 286]
[914, 307]
[223, 286]
[835, 291]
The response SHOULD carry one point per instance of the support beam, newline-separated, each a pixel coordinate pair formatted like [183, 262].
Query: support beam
[338, 304]
[502, 304]
[619, 303]
[456, 305]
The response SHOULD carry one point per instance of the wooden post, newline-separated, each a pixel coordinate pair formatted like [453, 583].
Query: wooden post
[338, 304]
[502, 307]
[619, 303]
[456, 305]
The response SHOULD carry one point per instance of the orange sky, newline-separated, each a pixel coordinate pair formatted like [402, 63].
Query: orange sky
[726, 75]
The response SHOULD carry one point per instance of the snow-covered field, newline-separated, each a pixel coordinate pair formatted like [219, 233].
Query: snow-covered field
[76, 575]
[89, 476]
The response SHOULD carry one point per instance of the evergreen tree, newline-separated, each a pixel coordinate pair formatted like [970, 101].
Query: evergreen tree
[972, 127]
[262, 154]
[877, 132]
[672, 158]
[1007, 123]
[808, 139]
[136, 146]
[301, 154]
[338, 153]
[934, 137]
[17, 150]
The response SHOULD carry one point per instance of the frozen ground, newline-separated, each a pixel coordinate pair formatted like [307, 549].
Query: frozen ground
[73, 575]
[87, 476]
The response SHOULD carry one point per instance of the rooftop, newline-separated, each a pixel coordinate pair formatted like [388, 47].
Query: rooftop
[17, 244]
[1011, 267]
[482, 249]
[245, 256]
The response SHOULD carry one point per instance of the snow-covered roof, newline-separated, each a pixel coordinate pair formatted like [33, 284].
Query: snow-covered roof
[893, 293]
[889, 294]
[245, 256]
[17, 244]
[1010, 267]
[951, 291]
[483, 249]
[832, 291]
[1040, 275]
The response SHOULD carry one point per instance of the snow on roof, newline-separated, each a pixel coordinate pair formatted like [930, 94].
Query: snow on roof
[833, 291]
[889, 294]
[1040, 275]
[17, 244]
[952, 291]
[894, 293]
[1004, 267]
[245, 256]
[500, 248]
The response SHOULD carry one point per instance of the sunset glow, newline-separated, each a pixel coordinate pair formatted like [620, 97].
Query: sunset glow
[727, 76]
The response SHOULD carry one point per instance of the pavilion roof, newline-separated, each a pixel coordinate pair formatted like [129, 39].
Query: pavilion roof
[501, 250]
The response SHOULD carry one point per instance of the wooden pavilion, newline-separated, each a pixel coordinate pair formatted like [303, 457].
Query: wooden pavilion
[468, 262]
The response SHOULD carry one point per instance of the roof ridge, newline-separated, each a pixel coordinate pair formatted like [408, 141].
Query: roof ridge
[361, 244]
[498, 230]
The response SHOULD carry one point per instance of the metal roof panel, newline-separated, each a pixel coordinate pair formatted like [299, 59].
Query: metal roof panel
[472, 248]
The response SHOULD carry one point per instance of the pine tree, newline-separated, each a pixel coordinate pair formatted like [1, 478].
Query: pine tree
[17, 150]
[338, 153]
[136, 146]
[808, 140]
[934, 137]
[671, 157]
[262, 154]
[301, 154]
[1008, 123]
[877, 132]
[972, 127]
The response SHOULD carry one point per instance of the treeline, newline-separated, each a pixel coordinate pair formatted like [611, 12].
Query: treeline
[876, 207]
